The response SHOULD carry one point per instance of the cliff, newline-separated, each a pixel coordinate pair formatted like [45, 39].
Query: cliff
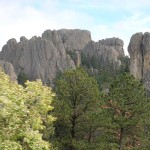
[38, 57]
[75, 39]
[105, 52]
[139, 50]
[58, 50]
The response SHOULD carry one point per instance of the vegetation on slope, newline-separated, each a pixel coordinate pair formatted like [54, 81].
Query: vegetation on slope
[87, 117]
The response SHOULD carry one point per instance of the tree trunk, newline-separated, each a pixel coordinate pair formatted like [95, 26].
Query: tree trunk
[120, 139]
[73, 127]
[90, 135]
[73, 122]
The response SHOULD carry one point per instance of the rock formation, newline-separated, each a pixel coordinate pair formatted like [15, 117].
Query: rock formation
[38, 57]
[106, 51]
[55, 51]
[115, 43]
[135, 50]
[8, 69]
[74, 39]
[139, 50]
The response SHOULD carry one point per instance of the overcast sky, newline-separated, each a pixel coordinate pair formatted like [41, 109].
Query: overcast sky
[104, 18]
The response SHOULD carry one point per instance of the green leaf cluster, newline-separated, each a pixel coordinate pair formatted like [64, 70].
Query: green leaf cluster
[76, 109]
[24, 115]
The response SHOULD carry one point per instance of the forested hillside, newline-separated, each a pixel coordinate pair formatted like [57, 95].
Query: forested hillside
[79, 116]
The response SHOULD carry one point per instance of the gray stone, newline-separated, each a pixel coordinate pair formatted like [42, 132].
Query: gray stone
[135, 50]
[8, 69]
[43, 57]
[74, 39]
[139, 50]
[23, 38]
[105, 51]
[116, 43]
[39, 58]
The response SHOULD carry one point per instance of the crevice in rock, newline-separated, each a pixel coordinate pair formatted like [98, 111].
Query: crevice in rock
[142, 53]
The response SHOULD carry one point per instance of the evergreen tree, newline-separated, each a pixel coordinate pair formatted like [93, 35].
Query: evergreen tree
[22, 78]
[77, 109]
[127, 112]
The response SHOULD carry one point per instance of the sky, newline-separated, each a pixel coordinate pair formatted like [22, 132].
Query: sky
[103, 18]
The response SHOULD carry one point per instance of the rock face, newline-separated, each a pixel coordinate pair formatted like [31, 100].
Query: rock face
[135, 49]
[106, 51]
[74, 39]
[9, 69]
[55, 51]
[115, 43]
[139, 50]
[74, 42]
[40, 57]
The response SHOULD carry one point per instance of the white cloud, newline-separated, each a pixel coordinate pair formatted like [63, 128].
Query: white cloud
[27, 20]
[116, 5]
[32, 17]
[123, 28]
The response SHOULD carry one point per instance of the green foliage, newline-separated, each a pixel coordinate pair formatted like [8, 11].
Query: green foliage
[105, 74]
[125, 62]
[72, 54]
[77, 110]
[22, 78]
[24, 115]
[104, 77]
[85, 60]
[127, 111]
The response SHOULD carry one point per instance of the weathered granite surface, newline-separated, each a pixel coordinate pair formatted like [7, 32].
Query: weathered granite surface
[8, 69]
[139, 50]
[106, 51]
[38, 57]
[43, 57]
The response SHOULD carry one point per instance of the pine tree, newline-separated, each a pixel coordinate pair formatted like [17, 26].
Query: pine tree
[77, 109]
[127, 111]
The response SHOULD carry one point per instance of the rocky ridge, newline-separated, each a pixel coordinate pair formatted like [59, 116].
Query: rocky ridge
[43, 57]
[106, 51]
[38, 57]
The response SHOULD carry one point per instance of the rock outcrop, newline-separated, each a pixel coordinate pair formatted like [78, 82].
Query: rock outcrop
[8, 69]
[115, 43]
[74, 39]
[135, 50]
[55, 51]
[39, 58]
[105, 52]
[139, 50]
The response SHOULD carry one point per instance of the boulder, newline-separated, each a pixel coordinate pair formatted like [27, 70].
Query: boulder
[8, 69]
